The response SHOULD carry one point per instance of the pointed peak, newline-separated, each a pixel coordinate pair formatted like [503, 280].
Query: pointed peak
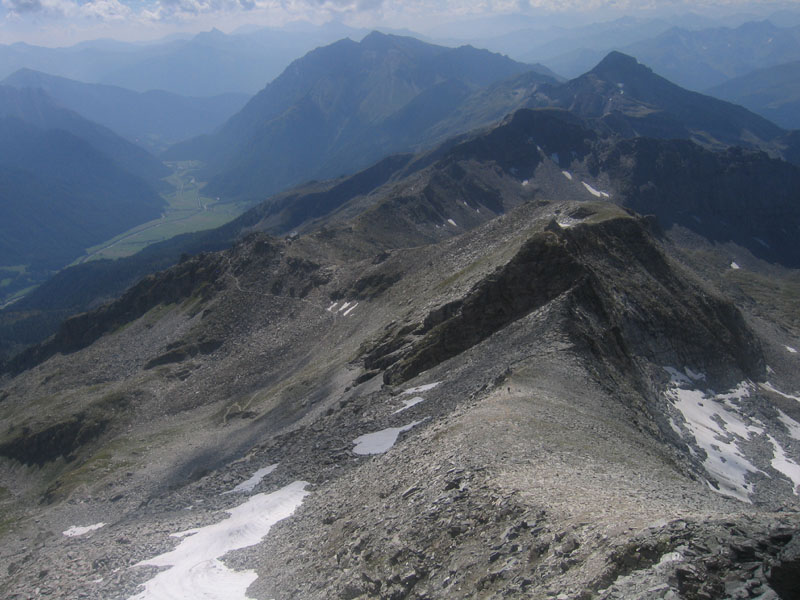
[375, 38]
[617, 66]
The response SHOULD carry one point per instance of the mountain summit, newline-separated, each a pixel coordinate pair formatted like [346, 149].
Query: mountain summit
[630, 99]
[339, 108]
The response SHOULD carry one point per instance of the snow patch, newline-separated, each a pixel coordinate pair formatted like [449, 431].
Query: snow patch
[332, 307]
[771, 388]
[595, 192]
[568, 175]
[196, 571]
[734, 266]
[792, 425]
[790, 349]
[75, 531]
[453, 223]
[567, 222]
[717, 427]
[380, 441]
[785, 465]
[524, 183]
[349, 310]
[249, 485]
[409, 403]
[421, 388]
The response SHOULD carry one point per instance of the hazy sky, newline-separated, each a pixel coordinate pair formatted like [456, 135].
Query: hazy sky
[57, 22]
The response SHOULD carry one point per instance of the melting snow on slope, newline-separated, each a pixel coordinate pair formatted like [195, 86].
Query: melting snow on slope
[771, 388]
[75, 531]
[345, 308]
[790, 349]
[421, 388]
[249, 485]
[409, 403]
[734, 266]
[380, 441]
[595, 192]
[717, 428]
[568, 175]
[197, 572]
[453, 223]
[792, 425]
[784, 464]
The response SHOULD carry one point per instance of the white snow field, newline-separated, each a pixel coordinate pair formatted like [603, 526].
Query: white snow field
[784, 464]
[791, 425]
[75, 531]
[380, 441]
[196, 572]
[717, 427]
[249, 485]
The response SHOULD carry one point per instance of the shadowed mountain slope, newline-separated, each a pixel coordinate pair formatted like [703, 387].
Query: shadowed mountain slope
[37, 108]
[61, 196]
[153, 119]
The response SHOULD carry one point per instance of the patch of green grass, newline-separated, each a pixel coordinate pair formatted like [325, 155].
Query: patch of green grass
[187, 210]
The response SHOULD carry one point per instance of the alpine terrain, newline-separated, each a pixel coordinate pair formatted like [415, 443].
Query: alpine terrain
[553, 357]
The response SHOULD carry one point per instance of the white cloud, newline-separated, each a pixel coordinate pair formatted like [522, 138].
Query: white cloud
[104, 10]
[60, 21]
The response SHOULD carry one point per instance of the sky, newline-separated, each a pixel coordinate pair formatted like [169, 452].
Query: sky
[64, 22]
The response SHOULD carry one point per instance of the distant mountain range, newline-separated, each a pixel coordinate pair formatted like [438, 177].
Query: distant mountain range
[154, 119]
[68, 183]
[693, 58]
[37, 108]
[208, 64]
[341, 107]
[346, 105]
[699, 60]
[772, 92]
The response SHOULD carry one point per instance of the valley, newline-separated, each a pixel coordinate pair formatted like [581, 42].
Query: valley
[187, 211]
